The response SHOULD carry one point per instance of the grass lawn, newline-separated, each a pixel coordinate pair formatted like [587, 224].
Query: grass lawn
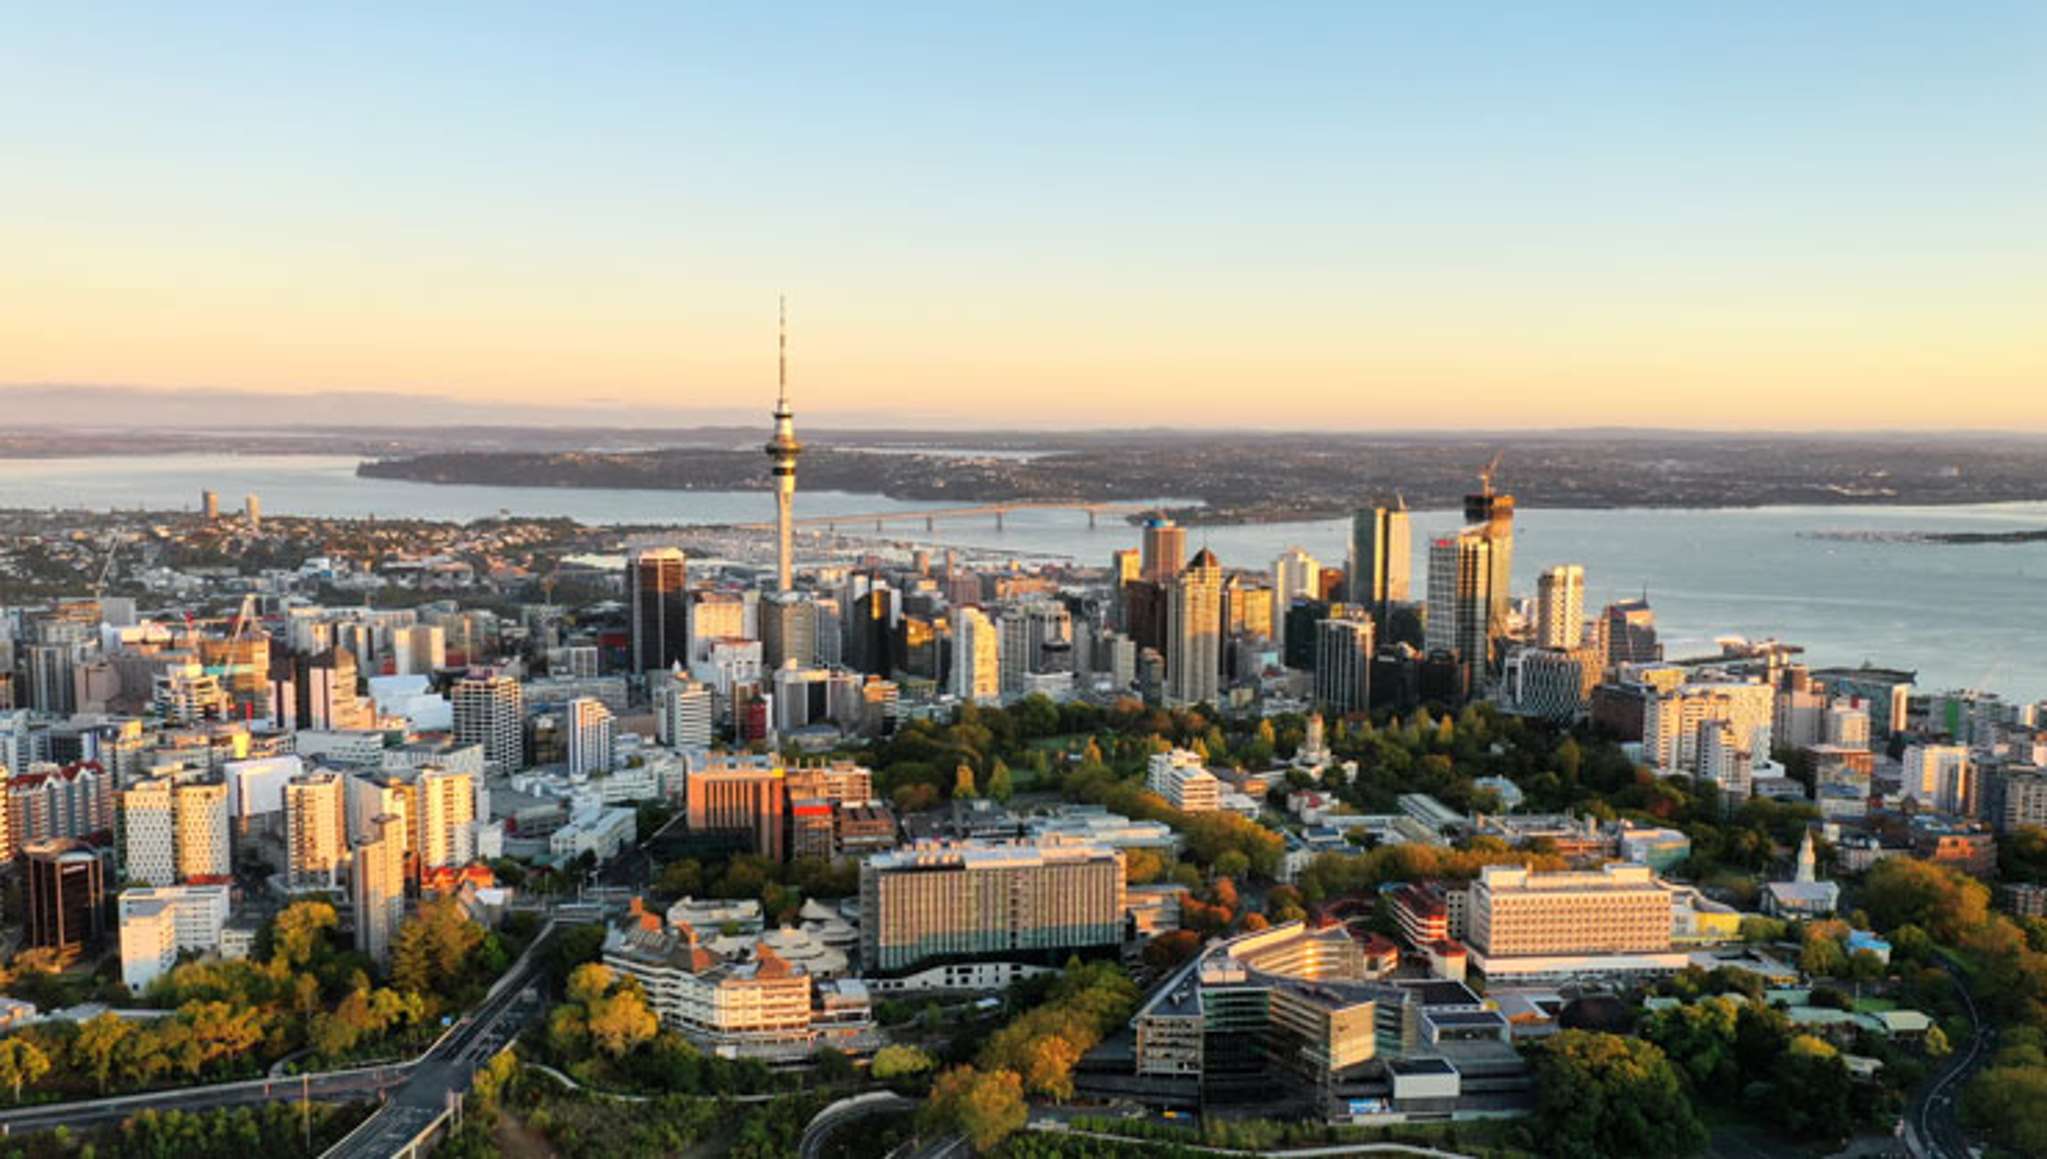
[1874, 1005]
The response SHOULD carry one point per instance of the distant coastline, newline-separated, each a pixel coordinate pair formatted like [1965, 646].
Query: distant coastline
[2030, 535]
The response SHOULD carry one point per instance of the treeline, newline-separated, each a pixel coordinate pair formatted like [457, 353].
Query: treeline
[231, 1019]
[272, 1129]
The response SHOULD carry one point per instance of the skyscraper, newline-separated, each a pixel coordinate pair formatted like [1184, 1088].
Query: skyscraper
[976, 656]
[1460, 598]
[446, 818]
[684, 713]
[1295, 576]
[315, 829]
[658, 579]
[1343, 664]
[488, 711]
[590, 728]
[1560, 607]
[739, 795]
[1194, 632]
[1492, 515]
[1165, 545]
[1381, 555]
[1630, 630]
[64, 891]
[782, 451]
[377, 886]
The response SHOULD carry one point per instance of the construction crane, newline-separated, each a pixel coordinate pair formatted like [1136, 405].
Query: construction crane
[1486, 473]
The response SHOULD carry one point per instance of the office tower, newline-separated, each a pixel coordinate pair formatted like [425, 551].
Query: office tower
[869, 628]
[788, 630]
[1887, 691]
[52, 684]
[1460, 572]
[1847, 724]
[488, 711]
[1381, 555]
[590, 727]
[1125, 565]
[1165, 545]
[658, 579]
[1630, 628]
[684, 713]
[1520, 913]
[1295, 576]
[739, 796]
[1183, 779]
[1552, 683]
[1560, 607]
[209, 504]
[782, 452]
[377, 887]
[1194, 632]
[63, 896]
[719, 616]
[315, 830]
[420, 650]
[447, 815]
[1940, 776]
[974, 900]
[976, 656]
[1343, 664]
[1144, 612]
[1726, 760]
[1492, 514]
[202, 832]
[1247, 609]
[252, 510]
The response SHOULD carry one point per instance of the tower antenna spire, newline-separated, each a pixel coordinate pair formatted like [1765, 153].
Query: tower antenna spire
[782, 351]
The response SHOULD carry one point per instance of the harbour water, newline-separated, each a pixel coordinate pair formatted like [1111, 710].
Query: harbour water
[1963, 616]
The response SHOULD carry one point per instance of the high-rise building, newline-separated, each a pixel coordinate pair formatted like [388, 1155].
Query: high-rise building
[1630, 631]
[1460, 577]
[658, 579]
[252, 510]
[377, 887]
[1165, 545]
[738, 795]
[489, 711]
[1295, 576]
[685, 713]
[315, 830]
[590, 728]
[74, 800]
[1519, 913]
[1940, 776]
[979, 901]
[1671, 720]
[209, 505]
[203, 850]
[1343, 664]
[63, 895]
[1560, 607]
[782, 451]
[1381, 555]
[788, 630]
[1492, 514]
[448, 811]
[1125, 565]
[976, 656]
[149, 828]
[419, 649]
[1194, 632]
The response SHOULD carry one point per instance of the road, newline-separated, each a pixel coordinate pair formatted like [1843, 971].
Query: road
[442, 1074]
[1934, 1118]
[848, 1111]
[332, 1086]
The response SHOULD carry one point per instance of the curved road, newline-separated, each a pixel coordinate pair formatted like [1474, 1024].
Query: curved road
[847, 1111]
[1934, 1118]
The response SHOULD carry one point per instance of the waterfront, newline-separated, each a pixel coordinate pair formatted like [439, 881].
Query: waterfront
[1962, 615]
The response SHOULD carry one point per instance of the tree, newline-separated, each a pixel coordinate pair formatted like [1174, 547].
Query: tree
[99, 1043]
[1048, 1067]
[985, 1106]
[432, 949]
[898, 1061]
[1168, 950]
[299, 932]
[1822, 958]
[963, 781]
[1605, 1095]
[22, 1063]
[621, 1021]
[1936, 1043]
[999, 786]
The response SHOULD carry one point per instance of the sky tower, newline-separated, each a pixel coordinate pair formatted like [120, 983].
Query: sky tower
[782, 451]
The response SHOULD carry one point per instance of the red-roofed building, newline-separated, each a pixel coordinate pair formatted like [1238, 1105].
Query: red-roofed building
[48, 801]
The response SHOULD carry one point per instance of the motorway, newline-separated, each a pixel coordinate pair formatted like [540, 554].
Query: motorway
[437, 1079]
[845, 1111]
[1934, 1118]
[332, 1086]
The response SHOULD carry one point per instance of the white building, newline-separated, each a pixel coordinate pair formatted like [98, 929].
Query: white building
[685, 714]
[157, 923]
[1180, 777]
[447, 809]
[602, 832]
[591, 727]
[1940, 776]
[489, 711]
[1671, 720]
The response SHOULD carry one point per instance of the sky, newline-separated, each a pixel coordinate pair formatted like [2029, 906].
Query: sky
[1355, 215]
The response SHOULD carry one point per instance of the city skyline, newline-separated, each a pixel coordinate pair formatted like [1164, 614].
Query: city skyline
[1323, 219]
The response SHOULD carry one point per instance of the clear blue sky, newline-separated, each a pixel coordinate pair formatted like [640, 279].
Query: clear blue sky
[1755, 215]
